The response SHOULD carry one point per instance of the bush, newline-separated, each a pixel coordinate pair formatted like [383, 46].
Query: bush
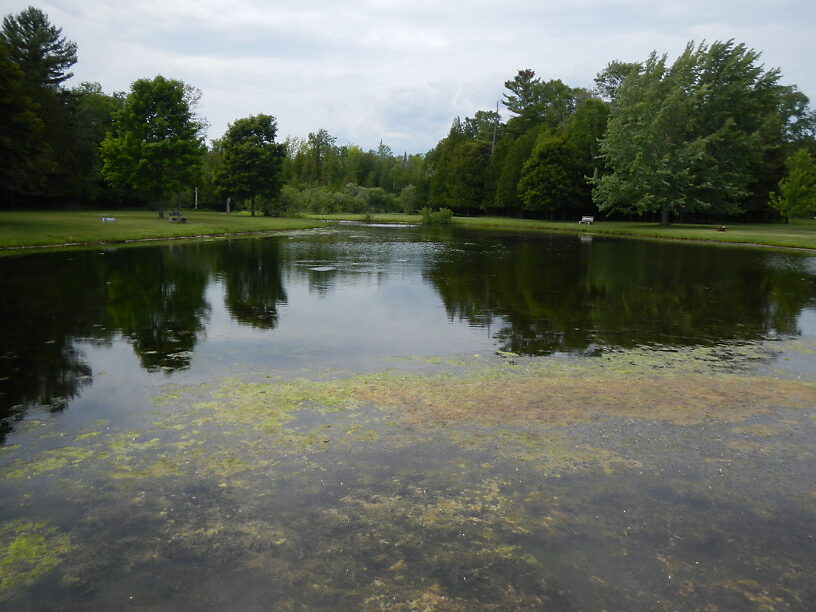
[443, 216]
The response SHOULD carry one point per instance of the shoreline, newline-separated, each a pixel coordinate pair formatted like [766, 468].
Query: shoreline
[643, 236]
[135, 241]
[62, 227]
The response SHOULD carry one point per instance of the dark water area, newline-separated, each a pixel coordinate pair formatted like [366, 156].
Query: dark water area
[356, 295]
[409, 419]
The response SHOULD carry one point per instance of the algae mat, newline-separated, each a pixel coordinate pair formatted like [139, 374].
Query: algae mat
[645, 479]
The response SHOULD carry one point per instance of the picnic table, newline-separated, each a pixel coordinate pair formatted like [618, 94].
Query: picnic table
[176, 216]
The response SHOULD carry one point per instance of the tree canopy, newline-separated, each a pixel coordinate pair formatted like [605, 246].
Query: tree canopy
[156, 145]
[37, 47]
[252, 160]
[797, 190]
[685, 137]
[535, 101]
[21, 148]
[701, 138]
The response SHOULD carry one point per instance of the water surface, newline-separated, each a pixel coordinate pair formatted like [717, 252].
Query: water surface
[395, 418]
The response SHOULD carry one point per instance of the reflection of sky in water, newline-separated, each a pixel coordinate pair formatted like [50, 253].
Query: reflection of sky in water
[807, 322]
[360, 318]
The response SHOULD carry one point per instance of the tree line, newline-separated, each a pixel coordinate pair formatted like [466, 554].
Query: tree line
[711, 135]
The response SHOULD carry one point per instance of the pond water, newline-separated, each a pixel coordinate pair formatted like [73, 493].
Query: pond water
[400, 418]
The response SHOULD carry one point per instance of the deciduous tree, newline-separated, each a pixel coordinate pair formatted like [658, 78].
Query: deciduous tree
[156, 145]
[252, 160]
[685, 137]
[797, 190]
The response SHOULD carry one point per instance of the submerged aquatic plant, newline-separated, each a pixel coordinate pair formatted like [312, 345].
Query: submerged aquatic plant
[448, 483]
[27, 551]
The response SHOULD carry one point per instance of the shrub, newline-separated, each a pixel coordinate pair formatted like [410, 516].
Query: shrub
[443, 216]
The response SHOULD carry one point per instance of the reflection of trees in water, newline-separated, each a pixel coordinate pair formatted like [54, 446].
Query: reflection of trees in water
[156, 299]
[251, 271]
[536, 295]
[549, 294]
[42, 317]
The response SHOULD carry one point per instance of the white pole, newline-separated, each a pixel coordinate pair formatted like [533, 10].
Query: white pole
[196, 198]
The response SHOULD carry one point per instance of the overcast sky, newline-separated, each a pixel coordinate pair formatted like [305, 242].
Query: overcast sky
[371, 70]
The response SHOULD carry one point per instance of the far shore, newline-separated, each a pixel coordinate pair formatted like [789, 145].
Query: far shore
[25, 230]
[798, 234]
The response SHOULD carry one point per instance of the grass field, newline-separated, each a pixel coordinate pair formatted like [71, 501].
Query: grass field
[61, 228]
[799, 233]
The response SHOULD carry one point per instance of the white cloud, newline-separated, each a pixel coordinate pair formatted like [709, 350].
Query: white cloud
[375, 69]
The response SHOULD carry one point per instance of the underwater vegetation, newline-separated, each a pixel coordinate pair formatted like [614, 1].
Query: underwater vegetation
[641, 479]
[27, 551]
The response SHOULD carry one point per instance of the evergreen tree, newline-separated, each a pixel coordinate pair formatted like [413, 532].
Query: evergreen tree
[38, 48]
[458, 174]
[22, 148]
[550, 180]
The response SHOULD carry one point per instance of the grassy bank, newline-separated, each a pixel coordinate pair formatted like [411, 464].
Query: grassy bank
[57, 228]
[799, 233]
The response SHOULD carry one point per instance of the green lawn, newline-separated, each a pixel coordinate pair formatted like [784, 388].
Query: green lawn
[799, 233]
[51, 228]
[56, 228]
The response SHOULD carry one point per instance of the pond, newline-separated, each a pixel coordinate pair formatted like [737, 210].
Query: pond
[400, 418]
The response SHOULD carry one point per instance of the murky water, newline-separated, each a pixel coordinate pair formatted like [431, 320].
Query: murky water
[390, 418]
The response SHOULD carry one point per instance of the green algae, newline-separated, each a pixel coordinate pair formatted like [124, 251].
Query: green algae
[211, 465]
[28, 550]
[89, 434]
[67, 457]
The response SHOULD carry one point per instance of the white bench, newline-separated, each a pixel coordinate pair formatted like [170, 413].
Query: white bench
[587, 220]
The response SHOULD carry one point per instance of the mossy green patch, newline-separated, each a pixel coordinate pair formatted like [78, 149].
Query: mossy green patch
[89, 434]
[51, 460]
[29, 550]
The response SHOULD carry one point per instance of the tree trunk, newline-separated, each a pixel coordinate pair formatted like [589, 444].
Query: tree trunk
[664, 216]
[252, 204]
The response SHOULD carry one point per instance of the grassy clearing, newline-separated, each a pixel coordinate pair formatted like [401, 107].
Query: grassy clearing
[799, 233]
[59, 228]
